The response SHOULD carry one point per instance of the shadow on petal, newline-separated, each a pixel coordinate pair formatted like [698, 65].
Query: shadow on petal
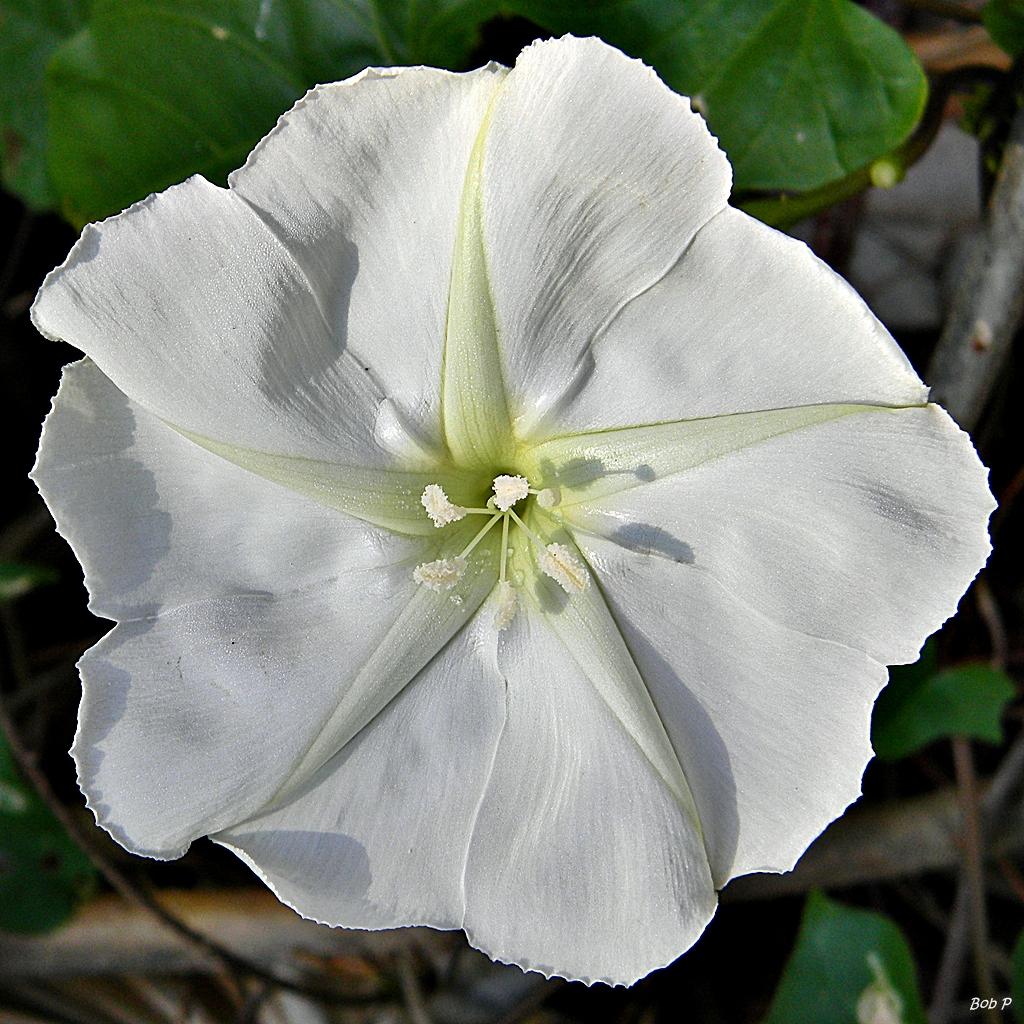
[701, 751]
[119, 561]
[647, 539]
[296, 862]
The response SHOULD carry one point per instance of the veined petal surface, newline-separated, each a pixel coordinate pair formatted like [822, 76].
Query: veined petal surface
[259, 629]
[763, 592]
[588, 158]
[378, 837]
[747, 320]
[363, 180]
[583, 863]
[300, 312]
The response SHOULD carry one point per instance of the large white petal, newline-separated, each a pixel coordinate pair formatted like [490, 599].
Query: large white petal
[300, 312]
[748, 319]
[363, 180]
[595, 178]
[583, 862]
[762, 593]
[260, 629]
[192, 307]
[378, 838]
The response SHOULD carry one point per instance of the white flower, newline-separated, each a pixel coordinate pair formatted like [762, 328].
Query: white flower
[422, 278]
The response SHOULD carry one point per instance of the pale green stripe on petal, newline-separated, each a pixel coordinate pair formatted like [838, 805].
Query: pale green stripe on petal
[477, 424]
[589, 466]
[420, 631]
[385, 497]
[584, 623]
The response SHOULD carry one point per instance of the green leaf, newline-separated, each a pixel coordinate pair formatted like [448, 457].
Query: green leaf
[840, 953]
[17, 579]
[919, 707]
[799, 92]
[155, 90]
[1017, 979]
[1004, 20]
[30, 30]
[43, 874]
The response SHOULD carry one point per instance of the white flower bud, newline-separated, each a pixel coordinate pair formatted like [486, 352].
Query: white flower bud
[879, 1003]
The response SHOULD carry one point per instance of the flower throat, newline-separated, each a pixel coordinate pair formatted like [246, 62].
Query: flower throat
[555, 560]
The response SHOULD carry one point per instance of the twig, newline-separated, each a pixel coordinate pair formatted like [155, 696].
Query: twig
[110, 936]
[531, 1002]
[988, 609]
[973, 844]
[946, 9]
[987, 306]
[1014, 879]
[878, 843]
[412, 995]
[132, 892]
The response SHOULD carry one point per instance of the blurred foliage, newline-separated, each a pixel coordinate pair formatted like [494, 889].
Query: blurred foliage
[842, 956]
[1004, 20]
[153, 91]
[17, 579]
[921, 705]
[800, 92]
[43, 874]
[30, 30]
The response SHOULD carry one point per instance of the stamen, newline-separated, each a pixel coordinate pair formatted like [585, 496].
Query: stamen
[507, 603]
[440, 575]
[479, 537]
[510, 489]
[564, 568]
[440, 509]
[558, 562]
[504, 550]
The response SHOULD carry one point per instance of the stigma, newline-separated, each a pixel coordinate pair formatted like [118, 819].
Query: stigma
[508, 490]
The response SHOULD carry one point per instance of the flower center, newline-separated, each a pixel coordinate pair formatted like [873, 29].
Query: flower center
[555, 560]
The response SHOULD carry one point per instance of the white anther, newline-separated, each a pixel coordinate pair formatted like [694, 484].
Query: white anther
[508, 490]
[548, 498]
[564, 568]
[507, 602]
[440, 575]
[439, 508]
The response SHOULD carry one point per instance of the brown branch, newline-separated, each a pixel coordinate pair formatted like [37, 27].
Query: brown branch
[986, 310]
[110, 936]
[879, 843]
[133, 893]
[974, 877]
[946, 9]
